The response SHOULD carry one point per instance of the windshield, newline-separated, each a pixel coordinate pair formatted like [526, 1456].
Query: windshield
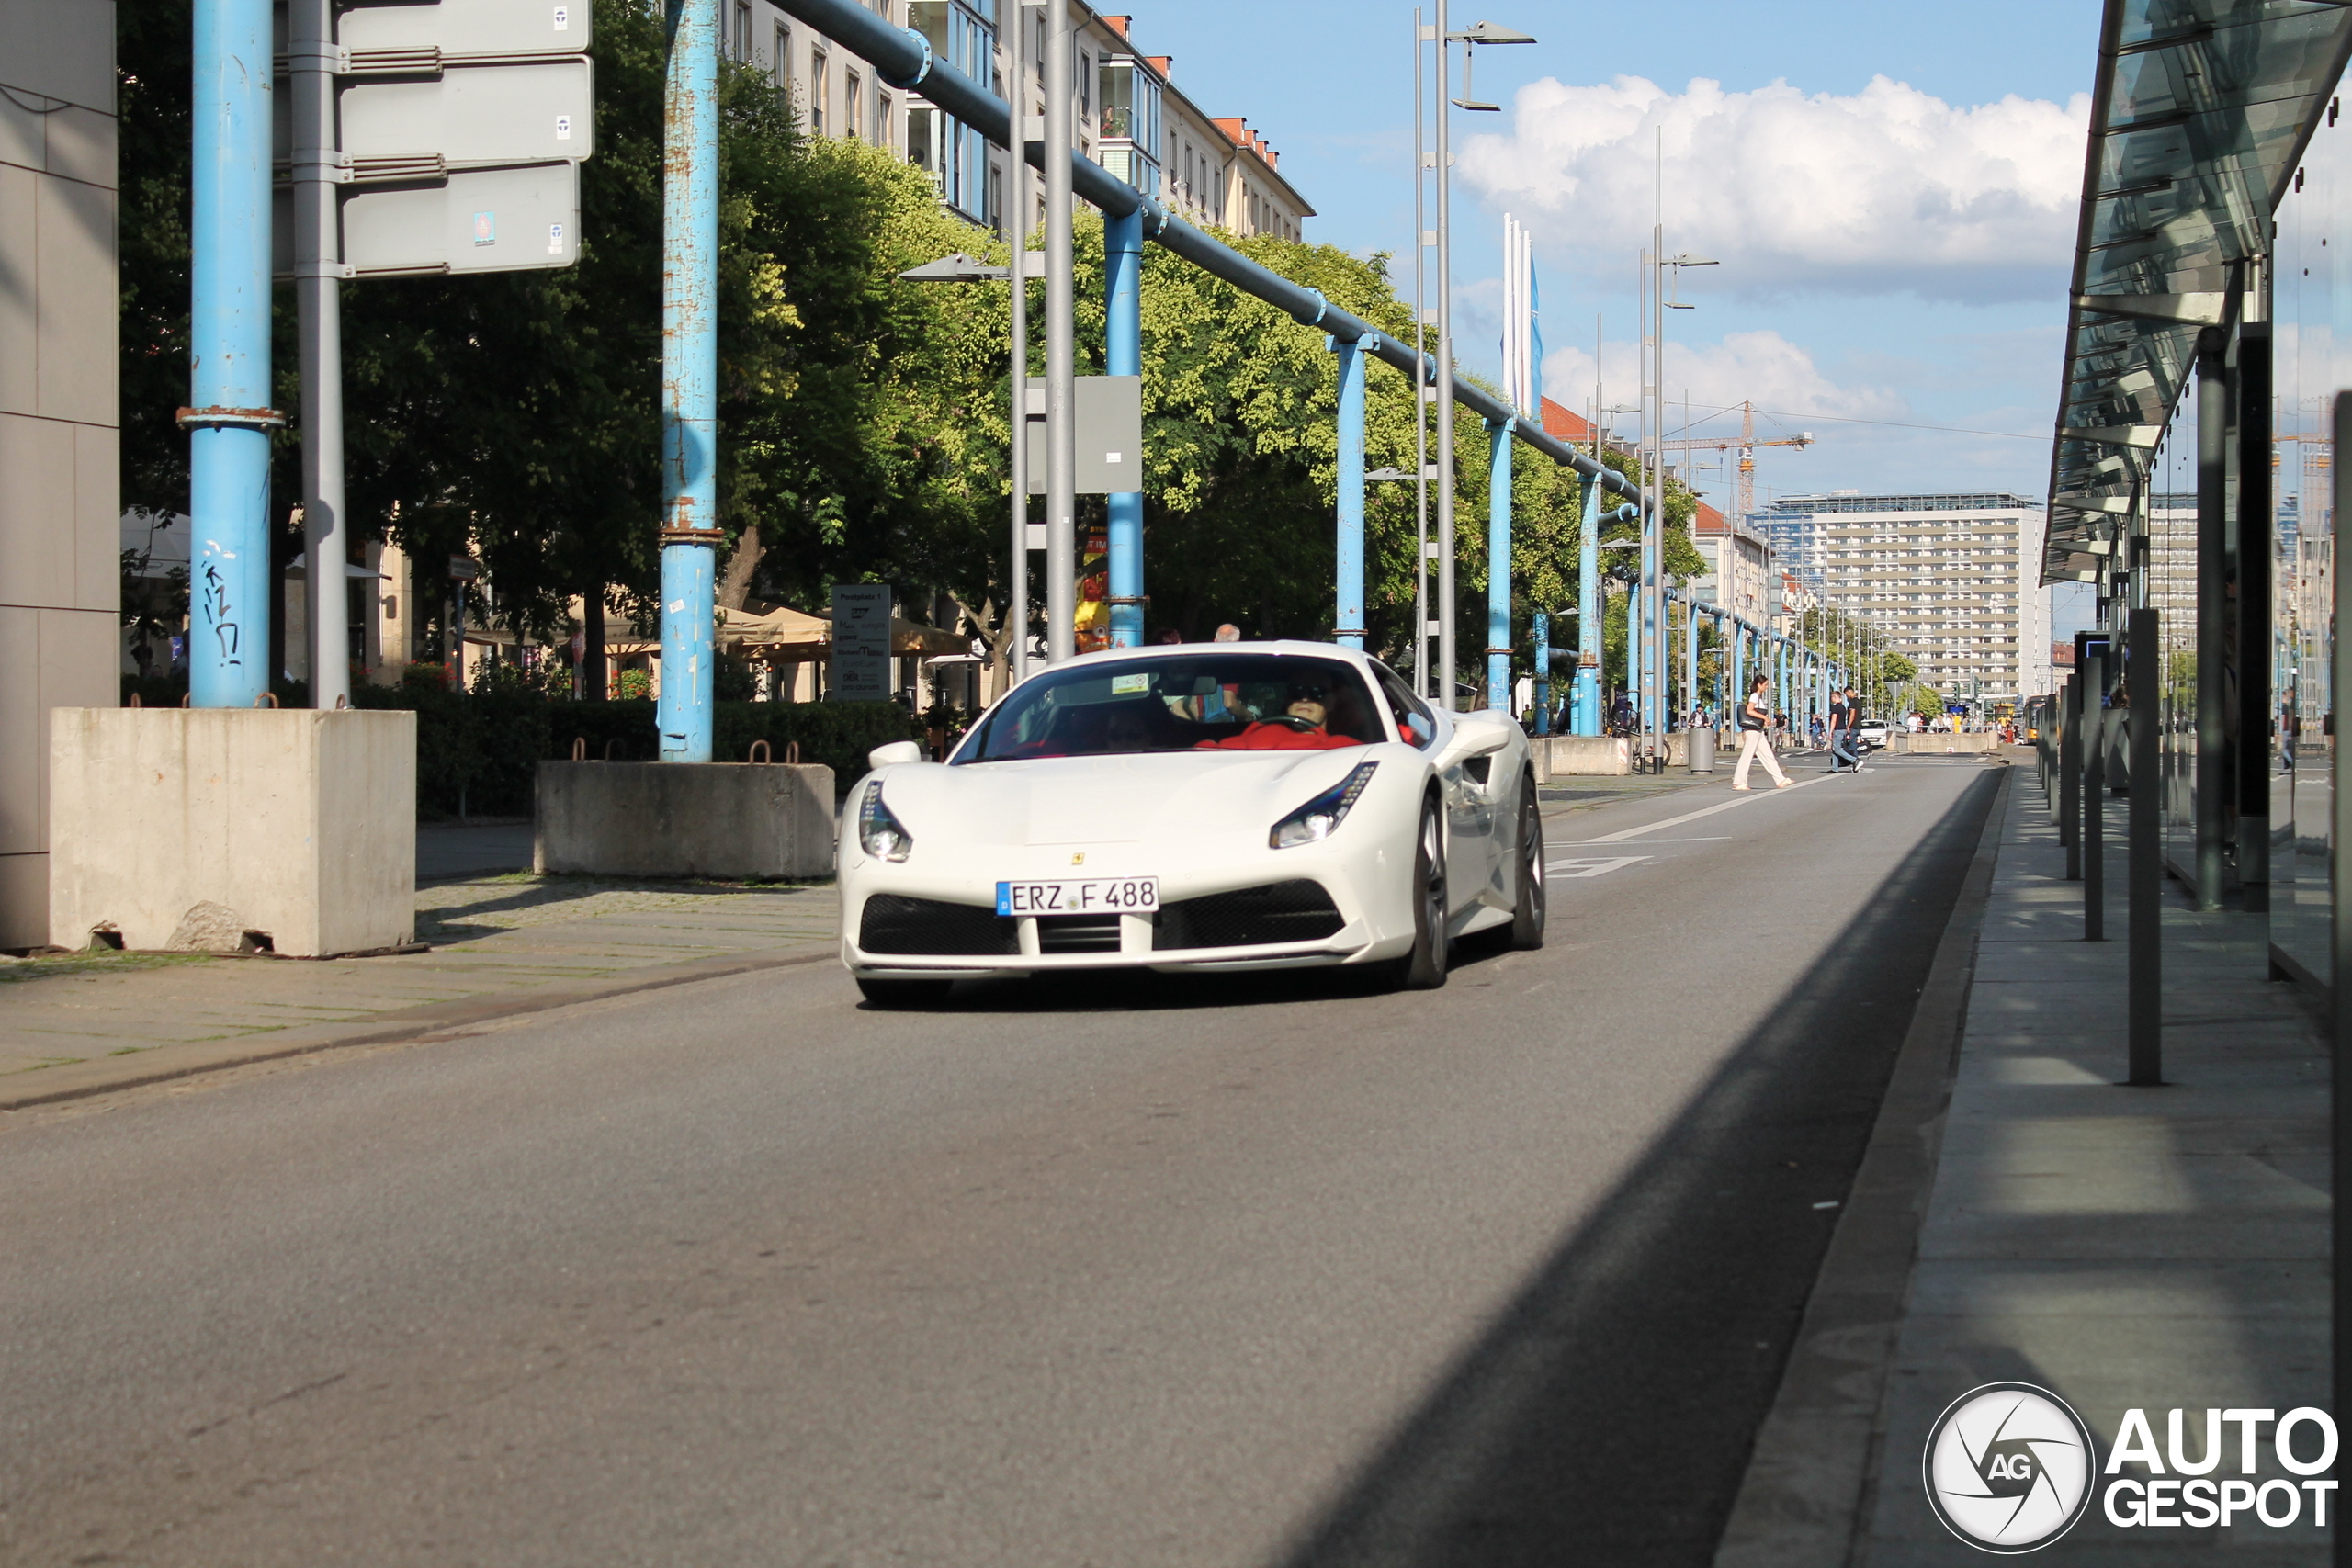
[1249, 701]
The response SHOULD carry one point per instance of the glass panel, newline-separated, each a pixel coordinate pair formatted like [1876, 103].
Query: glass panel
[2310, 369]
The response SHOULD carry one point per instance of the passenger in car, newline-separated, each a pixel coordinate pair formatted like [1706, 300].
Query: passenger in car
[1303, 725]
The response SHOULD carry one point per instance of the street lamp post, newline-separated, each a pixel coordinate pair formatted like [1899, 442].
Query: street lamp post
[1483, 33]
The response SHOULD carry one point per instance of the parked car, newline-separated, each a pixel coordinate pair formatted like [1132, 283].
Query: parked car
[1872, 733]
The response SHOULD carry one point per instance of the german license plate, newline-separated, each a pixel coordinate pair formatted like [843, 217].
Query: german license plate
[1091, 896]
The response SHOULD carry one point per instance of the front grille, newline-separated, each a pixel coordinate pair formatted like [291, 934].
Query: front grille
[1078, 934]
[895, 924]
[1255, 917]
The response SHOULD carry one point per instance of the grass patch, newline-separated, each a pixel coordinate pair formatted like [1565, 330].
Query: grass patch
[96, 962]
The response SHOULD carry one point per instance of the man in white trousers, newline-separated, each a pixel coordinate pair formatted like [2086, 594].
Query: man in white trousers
[1755, 736]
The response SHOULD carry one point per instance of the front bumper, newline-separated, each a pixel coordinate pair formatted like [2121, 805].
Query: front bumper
[1366, 886]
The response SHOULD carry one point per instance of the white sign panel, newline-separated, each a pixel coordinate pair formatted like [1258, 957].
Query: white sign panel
[483, 114]
[861, 671]
[1109, 433]
[462, 28]
[474, 220]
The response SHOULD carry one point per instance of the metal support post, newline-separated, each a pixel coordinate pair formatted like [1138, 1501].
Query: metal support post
[1015, 624]
[1061, 430]
[2070, 771]
[2143, 667]
[2094, 756]
[2340, 967]
[1420, 401]
[1123, 356]
[689, 380]
[1347, 623]
[2258, 526]
[2211, 772]
[229, 420]
[1443, 695]
[1586, 692]
[318, 254]
[1543, 629]
[1498, 433]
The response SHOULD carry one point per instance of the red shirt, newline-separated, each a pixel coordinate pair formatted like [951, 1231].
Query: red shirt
[1265, 736]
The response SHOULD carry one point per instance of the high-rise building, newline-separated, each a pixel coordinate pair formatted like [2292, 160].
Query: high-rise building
[1951, 580]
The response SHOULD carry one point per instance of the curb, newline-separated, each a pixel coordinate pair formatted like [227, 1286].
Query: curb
[106, 1075]
[1809, 1477]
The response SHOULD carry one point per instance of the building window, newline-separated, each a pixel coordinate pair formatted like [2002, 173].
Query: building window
[780, 67]
[852, 105]
[742, 39]
[885, 125]
[817, 86]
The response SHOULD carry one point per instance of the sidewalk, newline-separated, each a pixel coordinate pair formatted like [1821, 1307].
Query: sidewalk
[501, 944]
[2146, 1248]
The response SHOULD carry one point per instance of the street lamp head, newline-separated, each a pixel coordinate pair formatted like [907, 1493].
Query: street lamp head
[1389, 476]
[1686, 259]
[956, 268]
[1491, 32]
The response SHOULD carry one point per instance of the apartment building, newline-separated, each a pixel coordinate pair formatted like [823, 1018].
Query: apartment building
[1131, 117]
[1952, 581]
[1739, 565]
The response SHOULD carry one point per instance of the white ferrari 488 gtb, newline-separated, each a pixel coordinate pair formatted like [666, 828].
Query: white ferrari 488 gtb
[1194, 806]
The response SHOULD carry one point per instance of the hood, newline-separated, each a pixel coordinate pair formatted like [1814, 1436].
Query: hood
[1103, 800]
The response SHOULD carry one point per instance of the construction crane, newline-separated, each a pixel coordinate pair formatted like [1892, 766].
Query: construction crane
[1748, 444]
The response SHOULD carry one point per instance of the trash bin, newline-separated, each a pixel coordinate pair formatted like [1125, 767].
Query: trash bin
[1703, 750]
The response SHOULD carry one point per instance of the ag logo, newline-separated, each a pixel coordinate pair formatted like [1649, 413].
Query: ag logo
[2009, 1467]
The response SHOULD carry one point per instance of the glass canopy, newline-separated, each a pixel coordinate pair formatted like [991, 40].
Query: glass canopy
[2199, 113]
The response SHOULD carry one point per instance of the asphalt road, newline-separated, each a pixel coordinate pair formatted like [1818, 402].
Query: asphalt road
[1270, 1273]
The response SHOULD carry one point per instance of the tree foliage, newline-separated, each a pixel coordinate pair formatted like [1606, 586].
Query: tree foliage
[864, 428]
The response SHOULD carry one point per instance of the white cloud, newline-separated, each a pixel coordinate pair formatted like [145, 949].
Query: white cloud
[1887, 190]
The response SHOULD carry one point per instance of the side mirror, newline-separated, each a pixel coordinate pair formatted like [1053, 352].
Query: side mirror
[895, 751]
[1479, 733]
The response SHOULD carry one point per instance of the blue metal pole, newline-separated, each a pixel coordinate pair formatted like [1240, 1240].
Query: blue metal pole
[1123, 356]
[1738, 662]
[1347, 623]
[1542, 674]
[1498, 434]
[227, 419]
[689, 379]
[1584, 718]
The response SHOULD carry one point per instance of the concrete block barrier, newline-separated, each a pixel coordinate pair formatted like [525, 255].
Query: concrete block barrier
[1568, 755]
[748, 820]
[227, 830]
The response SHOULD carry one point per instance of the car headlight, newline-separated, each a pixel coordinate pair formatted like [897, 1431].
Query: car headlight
[881, 835]
[1321, 818]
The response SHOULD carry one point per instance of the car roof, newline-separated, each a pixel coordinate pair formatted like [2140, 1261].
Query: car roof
[1287, 645]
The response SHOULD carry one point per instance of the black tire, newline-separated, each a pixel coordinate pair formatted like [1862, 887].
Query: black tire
[900, 995]
[1531, 901]
[1423, 969]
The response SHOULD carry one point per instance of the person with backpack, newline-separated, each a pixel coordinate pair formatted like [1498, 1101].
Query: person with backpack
[1755, 736]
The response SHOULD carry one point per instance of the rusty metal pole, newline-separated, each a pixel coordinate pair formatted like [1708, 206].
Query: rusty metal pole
[689, 380]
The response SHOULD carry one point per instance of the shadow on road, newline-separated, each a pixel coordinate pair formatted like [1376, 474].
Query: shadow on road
[1608, 1416]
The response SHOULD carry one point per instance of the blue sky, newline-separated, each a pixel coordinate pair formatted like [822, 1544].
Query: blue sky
[1893, 250]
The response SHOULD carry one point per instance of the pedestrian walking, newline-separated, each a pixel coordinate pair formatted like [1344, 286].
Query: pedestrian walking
[1842, 755]
[1755, 736]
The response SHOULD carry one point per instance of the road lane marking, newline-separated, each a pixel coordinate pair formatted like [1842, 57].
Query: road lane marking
[1755, 795]
[1592, 865]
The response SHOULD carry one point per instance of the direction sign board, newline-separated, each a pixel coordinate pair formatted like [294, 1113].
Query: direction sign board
[474, 220]
[472, 115]
[459, 28]
[861, 671]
